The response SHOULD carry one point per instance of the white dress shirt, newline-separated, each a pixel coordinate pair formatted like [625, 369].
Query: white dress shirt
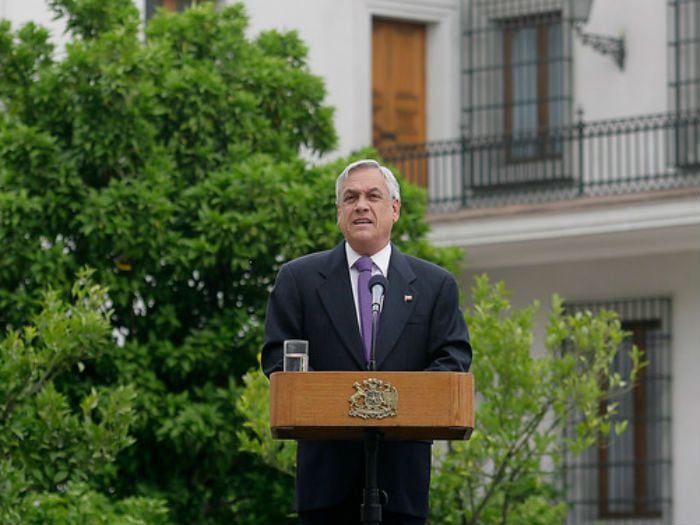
[380, 265]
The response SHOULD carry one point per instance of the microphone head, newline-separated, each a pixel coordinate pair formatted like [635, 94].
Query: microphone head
[378, 280]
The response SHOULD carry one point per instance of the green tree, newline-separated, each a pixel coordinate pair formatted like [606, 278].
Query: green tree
[54, 456]
[167, 159]
[508, 472]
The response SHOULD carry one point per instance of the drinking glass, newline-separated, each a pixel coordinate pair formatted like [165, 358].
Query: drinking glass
[296, 355]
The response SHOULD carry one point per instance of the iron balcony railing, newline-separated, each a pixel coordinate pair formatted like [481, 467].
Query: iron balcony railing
[586, 159]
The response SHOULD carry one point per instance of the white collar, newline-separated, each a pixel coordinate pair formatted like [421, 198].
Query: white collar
[380, 259]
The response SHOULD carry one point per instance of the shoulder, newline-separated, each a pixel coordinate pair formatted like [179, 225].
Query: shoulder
[314, 265]
[426, 266]
[311, 260]
[431, 280]
[300, 274]
[425, 269]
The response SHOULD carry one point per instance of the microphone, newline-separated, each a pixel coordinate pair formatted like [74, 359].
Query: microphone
[378, 286]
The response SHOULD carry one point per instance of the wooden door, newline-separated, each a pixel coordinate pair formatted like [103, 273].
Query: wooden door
[398, 95]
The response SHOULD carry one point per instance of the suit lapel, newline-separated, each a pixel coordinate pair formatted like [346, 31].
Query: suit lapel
[335, 294]
[397, 308]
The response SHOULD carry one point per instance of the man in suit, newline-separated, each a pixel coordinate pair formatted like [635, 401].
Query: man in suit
[421, 327]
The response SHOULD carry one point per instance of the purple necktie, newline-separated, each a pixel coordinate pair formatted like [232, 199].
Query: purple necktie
[364, 299]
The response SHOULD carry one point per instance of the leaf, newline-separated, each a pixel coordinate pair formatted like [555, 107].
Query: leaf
[60, 476]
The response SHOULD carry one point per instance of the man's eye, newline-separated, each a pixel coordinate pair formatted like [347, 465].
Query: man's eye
[349, 198]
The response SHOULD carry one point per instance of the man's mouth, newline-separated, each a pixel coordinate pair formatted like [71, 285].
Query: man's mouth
[362, 221]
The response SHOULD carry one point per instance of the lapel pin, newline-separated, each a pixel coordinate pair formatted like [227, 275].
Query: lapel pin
[407, 298]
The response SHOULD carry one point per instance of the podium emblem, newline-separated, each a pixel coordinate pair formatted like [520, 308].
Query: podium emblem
[373, 399]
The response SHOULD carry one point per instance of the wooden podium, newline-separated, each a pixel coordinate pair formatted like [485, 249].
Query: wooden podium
[400, 405]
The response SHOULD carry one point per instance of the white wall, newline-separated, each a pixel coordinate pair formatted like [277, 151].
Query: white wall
[20, 12]
[339, 36]
[675, 275]
[329, 36]
[600, 88]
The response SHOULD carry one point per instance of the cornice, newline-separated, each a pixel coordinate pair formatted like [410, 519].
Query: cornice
[421, 10]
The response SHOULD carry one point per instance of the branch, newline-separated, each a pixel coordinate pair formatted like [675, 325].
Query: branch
[47, 376]
[530, 428]
[472, 502]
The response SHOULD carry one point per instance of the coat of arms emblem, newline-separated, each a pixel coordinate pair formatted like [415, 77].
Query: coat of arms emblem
[373, 399]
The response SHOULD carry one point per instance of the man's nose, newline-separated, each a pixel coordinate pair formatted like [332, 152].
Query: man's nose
[362, 203]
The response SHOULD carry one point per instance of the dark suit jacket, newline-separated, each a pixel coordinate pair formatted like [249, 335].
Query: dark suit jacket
[420, 328]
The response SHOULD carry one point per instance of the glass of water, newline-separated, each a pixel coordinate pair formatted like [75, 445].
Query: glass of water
[296, 355]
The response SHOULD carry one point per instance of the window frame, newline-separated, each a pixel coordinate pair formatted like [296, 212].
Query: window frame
[639, 426]
[580, 473]
[545, 145]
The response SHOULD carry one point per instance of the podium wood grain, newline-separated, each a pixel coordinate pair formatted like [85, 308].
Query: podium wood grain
[314, 405]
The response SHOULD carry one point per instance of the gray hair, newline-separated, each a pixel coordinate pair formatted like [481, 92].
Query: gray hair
[391, 182]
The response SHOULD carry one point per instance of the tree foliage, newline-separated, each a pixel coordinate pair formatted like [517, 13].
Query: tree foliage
[54, 455]
[508, 472]
[167, 159]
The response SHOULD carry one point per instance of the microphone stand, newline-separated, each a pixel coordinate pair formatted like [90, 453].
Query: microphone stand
[372, 363]
[371, 508]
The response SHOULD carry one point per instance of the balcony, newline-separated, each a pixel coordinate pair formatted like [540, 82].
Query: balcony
[584, 160]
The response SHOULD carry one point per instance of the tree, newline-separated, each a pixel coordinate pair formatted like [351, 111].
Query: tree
[168, 161]
[508, 472]
[52, 454]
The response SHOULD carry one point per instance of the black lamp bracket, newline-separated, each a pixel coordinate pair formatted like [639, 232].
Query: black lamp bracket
[605, 45]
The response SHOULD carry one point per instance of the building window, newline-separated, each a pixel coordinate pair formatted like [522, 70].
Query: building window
[516, 97]
[684, 18]
[517, 73]
[628, 477]
[628, 486]
[533, 85]
[684, 79]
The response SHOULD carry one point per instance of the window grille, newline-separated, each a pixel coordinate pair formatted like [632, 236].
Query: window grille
[532, 73]
[517, 91]
[684, 77]
[627, 480]
[517, 72]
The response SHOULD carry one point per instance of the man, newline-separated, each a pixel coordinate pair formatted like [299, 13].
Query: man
[315, 298]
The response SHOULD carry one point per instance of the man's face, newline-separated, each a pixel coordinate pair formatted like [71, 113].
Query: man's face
[366, 211]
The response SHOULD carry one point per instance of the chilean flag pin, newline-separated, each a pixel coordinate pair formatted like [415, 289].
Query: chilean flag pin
[407, 298]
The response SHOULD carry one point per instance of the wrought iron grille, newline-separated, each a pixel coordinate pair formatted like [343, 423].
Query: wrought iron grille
[684, 54]
[684, 74]
[517, 72]
[610, 157]
[627, 480]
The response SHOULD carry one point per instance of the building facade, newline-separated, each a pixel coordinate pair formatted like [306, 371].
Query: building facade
[559, 142]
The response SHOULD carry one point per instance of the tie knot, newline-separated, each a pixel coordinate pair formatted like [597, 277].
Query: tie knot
[363, 264]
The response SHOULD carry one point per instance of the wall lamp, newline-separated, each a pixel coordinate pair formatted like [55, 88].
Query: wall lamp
[614, 47]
